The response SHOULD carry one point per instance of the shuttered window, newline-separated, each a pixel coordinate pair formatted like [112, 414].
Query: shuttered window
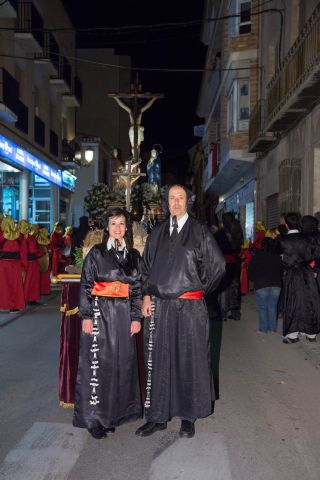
[273, 212]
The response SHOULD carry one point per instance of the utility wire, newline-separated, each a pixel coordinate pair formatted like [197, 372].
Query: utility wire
[141, 69]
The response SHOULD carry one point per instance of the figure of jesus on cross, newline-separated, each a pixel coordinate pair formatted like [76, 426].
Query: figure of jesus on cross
[136, 130]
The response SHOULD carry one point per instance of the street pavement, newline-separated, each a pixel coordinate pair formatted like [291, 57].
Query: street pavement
[266, 424]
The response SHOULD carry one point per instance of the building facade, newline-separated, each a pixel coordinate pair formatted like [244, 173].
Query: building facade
[39, 92]
[284, 131]
[101, 124]
[227, 95]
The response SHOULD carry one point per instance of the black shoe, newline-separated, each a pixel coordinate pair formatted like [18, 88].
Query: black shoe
[187, 429]
[149, 428]
[288, 340]
[98, 432]
[312, 339]
[109, 429]
[34, 303]
[14, 310]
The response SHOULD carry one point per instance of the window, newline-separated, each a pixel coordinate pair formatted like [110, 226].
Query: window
[241, 23]
[245, 17]
[243, 105]
[238, 106]
[232, 100]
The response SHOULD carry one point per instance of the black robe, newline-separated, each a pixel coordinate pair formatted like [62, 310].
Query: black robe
[179, 378]
[300, 300]
[107, 390]
[229, 293]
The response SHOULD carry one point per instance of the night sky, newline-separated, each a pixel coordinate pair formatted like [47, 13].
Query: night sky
[170, 120]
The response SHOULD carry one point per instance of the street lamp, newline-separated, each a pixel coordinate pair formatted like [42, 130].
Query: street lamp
[88, 155]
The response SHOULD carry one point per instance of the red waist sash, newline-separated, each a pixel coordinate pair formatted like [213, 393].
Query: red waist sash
[110, 289]
[196, 295]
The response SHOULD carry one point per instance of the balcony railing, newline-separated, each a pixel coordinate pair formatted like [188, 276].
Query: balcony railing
[63, 77]
[23, 117]
[9, 93]
[259, 139]
[29, 21]
[294, 89]
[74, 97]
[39, 131]
[50, 52]
[54, 143]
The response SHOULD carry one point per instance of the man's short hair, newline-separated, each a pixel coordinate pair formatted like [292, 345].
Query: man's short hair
[293, 220]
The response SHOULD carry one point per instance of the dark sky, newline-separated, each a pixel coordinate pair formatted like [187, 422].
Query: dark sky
[170, 120]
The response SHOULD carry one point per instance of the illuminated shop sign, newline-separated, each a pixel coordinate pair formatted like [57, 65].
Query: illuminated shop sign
[68, 180]
[18, 155]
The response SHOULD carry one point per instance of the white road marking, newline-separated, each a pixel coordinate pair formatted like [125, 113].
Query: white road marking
[48, 451]
[200, 458]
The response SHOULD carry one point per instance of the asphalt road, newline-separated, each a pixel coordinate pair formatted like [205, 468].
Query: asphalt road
[266, 423]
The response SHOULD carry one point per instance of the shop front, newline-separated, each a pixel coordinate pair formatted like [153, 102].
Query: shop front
[27, 184]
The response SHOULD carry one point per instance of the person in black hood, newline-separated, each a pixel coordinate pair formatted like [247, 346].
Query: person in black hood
[230, 238]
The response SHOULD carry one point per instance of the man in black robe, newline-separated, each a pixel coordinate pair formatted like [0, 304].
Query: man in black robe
[181, 263]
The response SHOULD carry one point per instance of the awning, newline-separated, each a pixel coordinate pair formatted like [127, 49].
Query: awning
[228, 175]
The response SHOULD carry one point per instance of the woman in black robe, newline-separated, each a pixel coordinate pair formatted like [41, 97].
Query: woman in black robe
[107, 390]
[230, 238]
[300, 295]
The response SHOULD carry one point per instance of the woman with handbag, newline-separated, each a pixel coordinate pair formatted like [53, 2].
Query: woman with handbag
[107, 390]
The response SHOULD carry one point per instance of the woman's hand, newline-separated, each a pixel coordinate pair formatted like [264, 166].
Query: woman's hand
[135, 327]
[146, 306]
[87, 326]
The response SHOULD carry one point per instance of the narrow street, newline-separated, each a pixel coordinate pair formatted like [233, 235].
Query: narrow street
[266, 423]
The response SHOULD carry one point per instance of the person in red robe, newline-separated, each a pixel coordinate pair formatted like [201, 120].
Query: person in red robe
[57, 246]
[13, 265]
[45, 283]
[32, 290]
[245, 256]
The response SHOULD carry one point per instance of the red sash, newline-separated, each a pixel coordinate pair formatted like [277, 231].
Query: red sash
[196, 295]
[110, 289]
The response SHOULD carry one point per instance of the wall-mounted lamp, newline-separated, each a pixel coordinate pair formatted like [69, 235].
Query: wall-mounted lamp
[88, 155]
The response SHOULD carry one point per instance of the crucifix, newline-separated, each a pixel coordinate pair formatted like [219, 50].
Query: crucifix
[136, 130]
[127, 177]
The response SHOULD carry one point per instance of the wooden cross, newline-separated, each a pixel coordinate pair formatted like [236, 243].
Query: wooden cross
[131, 178]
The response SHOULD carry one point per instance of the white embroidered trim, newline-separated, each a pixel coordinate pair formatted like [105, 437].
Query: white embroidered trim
[152, 326]
[94, 382]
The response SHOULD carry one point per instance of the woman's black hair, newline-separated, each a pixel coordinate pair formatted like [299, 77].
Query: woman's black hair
[282, 229]
[112, 213]
[309, 224]
[270, 245]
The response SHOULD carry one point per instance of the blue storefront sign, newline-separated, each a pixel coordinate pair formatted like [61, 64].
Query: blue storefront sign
[20, 156]
[68, 181]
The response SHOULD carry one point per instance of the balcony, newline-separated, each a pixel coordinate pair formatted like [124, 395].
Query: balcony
[259, 139]
[61, 81]
[29, 34]
[294, 89]
[23, 118]
[74, 98]
[9, 9]
[48, 59]
[39, 131]
[9, 96]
